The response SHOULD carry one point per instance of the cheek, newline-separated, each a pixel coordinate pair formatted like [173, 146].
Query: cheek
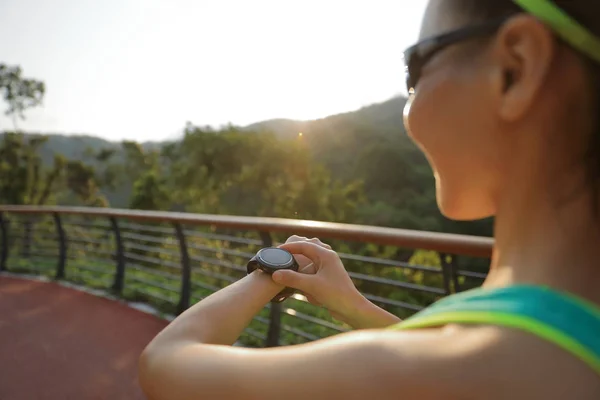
[452, 127]
[440, 122]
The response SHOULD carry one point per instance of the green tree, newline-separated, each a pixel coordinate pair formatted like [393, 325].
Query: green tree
[19, 93]
[238, 172]
[150, 192]
[24, 180]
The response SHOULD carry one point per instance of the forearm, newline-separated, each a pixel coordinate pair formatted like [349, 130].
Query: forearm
[221, 317]
[366, 315]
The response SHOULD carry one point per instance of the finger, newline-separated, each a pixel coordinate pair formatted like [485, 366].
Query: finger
[294, 279]
[307, 249]
[295, 238]
[320, 243]
[309, 269]
[302, 260]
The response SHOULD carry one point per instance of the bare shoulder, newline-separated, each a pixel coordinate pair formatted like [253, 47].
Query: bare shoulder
[512, 364]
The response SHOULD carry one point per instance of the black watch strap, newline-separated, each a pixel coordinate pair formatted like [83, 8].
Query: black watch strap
[284, 294]
[253, 265]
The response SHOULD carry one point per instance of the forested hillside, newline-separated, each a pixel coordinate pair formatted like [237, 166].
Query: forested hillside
[357, 167]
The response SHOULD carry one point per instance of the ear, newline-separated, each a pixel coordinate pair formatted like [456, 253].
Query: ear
[523, 54]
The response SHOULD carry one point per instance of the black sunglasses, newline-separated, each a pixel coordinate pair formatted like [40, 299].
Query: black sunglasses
[416, 56]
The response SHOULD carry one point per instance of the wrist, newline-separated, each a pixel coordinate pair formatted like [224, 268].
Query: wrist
[354, 306]
[264, 284]
[363, 314]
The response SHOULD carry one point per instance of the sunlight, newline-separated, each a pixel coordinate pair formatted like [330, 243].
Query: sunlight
[121, 70]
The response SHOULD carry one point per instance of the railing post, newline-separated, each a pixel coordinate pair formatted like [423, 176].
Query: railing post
[119, 257]
[62, 247]
[446, 273]
[4, 230]
[274, 330]
[27, 232]
[454, 273]
[186, 270]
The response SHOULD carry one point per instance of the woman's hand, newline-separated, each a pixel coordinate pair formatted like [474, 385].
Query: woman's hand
[325, 282]
[332, 288]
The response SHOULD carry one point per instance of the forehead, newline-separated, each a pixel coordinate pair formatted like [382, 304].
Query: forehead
[439, 18]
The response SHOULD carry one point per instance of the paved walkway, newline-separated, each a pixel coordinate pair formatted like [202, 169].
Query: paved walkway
[58, 343]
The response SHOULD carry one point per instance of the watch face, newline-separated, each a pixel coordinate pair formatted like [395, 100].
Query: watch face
[275, 257]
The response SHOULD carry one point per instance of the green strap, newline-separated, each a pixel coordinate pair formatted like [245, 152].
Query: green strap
[558, 317]
[564, 26]
[530, 325]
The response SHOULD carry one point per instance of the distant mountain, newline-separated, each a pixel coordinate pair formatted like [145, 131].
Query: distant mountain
[280, 127]
[383, 117]
[77, 146]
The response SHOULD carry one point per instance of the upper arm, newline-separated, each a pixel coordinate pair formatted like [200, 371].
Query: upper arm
[357, 365]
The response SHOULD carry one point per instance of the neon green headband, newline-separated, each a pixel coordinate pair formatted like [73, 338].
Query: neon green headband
[564, 26]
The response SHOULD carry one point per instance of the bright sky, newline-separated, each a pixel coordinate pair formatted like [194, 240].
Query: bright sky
[139, 69]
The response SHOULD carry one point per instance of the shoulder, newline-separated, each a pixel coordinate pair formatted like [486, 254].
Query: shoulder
[483, 361]
[509, 363]
[539, 368]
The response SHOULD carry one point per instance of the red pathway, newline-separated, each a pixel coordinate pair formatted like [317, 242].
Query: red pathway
[58, 343]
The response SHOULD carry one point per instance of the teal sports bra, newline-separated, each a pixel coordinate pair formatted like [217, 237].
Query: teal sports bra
[561, 318]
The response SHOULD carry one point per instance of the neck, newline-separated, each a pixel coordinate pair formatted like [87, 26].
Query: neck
[541, 239]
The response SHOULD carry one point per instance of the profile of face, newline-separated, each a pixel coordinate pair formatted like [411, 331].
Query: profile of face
[473, 102]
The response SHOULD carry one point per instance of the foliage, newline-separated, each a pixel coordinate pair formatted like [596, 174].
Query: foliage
[19, 93]
[149, 192]
[233, 172]
[25, 180]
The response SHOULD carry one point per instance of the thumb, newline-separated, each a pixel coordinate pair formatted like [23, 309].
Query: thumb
[292, 279]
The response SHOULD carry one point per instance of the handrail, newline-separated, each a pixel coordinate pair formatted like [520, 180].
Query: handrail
[163, 255]
[442, 242]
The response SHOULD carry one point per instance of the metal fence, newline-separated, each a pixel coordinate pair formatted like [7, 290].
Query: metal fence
[172, 260]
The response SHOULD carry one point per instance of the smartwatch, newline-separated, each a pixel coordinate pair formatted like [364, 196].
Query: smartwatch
[273, 259]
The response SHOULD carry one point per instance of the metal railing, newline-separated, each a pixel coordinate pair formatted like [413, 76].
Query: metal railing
[172, 260]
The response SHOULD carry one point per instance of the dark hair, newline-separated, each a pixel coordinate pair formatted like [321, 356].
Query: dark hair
[587, 13]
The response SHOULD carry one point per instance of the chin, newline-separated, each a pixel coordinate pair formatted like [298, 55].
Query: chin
[459, 206]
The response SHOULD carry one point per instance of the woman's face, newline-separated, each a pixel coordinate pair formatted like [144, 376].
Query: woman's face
[451, 118]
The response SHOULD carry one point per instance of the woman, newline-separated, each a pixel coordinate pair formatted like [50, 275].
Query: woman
[505, 106]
